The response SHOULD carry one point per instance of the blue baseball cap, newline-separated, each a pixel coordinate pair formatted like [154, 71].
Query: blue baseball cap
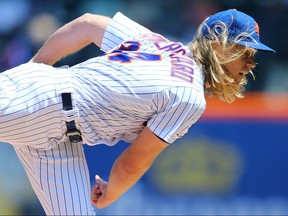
[237, 22]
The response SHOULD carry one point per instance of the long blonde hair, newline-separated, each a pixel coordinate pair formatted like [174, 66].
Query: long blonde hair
[221, 84]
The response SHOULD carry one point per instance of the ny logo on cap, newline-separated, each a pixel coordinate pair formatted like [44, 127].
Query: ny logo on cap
[257, 29]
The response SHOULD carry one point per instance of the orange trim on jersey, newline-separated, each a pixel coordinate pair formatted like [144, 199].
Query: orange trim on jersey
[273, 106]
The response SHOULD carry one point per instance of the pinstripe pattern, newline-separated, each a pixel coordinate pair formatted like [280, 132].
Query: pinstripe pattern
[28, 98]
[124, 29]
[112, 101]
[33, 121]
[110, 94]
[59, 177]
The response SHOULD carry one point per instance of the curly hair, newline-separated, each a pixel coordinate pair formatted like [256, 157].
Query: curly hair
[221, 84]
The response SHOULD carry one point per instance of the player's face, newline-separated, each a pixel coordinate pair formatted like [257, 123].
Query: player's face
[241, 66]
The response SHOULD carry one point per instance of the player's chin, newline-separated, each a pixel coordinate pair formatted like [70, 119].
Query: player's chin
[240, 78]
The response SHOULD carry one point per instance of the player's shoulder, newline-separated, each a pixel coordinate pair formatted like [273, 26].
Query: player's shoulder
[121, 28]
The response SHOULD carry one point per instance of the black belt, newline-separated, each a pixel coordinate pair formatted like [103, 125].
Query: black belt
[72, 133]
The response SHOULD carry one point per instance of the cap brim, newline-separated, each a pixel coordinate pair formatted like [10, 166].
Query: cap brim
[257, 46]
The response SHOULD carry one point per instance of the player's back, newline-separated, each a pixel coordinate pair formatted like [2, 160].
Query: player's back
[131, 83]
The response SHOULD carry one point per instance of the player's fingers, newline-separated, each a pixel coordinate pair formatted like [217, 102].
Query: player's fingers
[96, 189]
[94, 200]
[95, 195]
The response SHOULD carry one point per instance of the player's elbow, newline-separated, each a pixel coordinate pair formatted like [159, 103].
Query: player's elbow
[131, 166]
[86, 18]
[93, 27]
[85, 22]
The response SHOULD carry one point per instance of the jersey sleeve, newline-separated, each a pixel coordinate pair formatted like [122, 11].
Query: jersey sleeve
[177, 109]
[120, 28]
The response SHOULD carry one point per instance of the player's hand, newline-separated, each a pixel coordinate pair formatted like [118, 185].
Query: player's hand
[99, 198]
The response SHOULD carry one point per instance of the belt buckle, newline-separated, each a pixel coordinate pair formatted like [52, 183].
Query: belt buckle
[74, 136]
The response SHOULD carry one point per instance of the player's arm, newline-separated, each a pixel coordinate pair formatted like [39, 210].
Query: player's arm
[128, 168]
[73, 36]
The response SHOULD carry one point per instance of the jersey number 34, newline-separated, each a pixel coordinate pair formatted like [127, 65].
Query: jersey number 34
[128, 52]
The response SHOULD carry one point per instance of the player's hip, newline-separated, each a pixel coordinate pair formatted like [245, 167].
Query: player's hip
[31, 108]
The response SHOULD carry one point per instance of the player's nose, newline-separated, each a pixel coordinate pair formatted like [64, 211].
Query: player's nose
[251, 63]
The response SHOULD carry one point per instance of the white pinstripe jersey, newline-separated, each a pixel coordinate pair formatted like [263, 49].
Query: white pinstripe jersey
[143, 77]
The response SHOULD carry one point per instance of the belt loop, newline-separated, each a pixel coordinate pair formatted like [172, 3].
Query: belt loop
[72, 133]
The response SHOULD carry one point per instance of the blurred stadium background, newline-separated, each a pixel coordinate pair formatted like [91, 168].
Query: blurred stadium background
[232, 162]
